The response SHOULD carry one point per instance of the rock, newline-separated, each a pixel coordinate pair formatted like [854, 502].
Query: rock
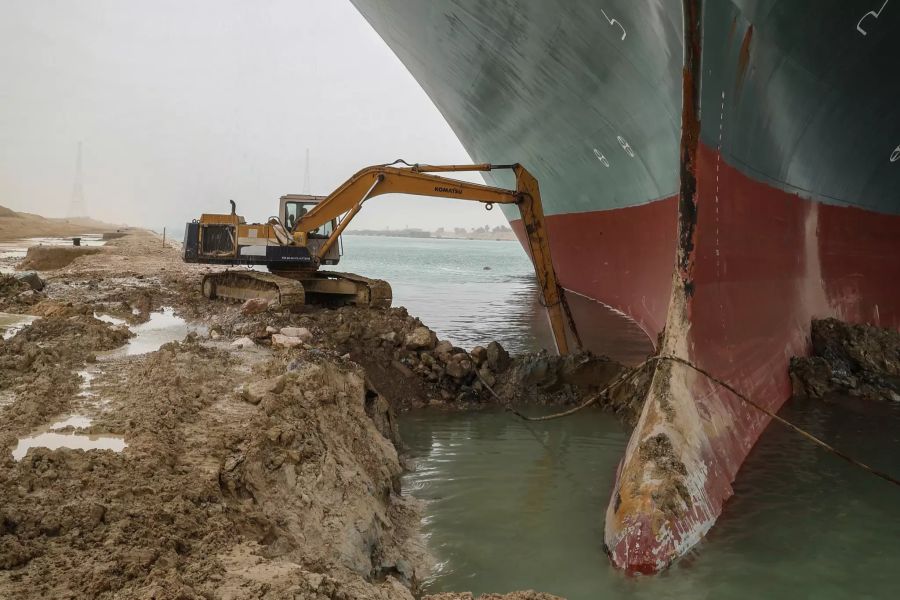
[258, 332]
[497, 357]
[286, 341]
[26, 295]
[254, 306]
[32, 279]
[420, 338]
[443, 350]
[214, 335]
[459, 366]
[243, 342]
[255, 391]
[95, 515]
[243, 328]
[302, 333]
[479, 355]
[270, 330]
[390, 337]
[402, 369]
[342, 335]
[486, 376]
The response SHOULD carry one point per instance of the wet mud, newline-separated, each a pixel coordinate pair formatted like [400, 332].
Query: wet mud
[859, 361]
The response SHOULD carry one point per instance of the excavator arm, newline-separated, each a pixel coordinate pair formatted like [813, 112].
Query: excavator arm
[420, 180]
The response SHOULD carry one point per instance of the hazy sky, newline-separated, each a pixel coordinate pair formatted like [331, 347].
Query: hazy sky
[183, 105]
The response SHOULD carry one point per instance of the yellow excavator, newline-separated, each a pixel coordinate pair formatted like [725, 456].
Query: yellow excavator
[306, 233]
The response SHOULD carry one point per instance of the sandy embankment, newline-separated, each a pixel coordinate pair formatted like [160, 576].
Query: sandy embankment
[250, 471]
[18, 225]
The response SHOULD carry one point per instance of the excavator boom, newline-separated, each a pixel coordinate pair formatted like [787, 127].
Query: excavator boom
[419, 180]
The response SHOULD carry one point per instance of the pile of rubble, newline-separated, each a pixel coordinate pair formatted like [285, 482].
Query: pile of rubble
[407, 363]
[19, 291]
[856, 360]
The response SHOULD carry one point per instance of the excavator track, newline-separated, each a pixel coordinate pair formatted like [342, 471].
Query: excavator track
[241, 285]
[375, 293]
[296, 288]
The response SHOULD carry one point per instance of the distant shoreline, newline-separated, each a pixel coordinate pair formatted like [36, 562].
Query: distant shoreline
[417, 234]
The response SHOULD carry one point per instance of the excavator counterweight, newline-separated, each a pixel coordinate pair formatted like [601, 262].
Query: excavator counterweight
[304, 236]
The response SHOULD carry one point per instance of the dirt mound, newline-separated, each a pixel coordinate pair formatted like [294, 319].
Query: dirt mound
[215, 496]
[857, 360]
[47, 258]
[16, 295]
[37, 366]
[408, 365]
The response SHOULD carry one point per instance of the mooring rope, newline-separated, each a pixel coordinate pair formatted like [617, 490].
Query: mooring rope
[626, 374]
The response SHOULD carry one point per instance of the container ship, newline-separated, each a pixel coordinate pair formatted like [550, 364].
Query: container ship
[721, 171]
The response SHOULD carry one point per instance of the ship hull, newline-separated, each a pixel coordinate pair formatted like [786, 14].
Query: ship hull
[736, 175]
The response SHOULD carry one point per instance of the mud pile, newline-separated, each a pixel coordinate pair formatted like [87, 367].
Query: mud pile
[293, 495]
[37, 365]
[407, 364]
[17, 293]
[45, 258]
[855, 360]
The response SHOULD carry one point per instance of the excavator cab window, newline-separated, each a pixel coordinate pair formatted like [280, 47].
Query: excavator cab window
[294, 210]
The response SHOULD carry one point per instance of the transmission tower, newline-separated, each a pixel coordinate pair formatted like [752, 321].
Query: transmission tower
[77, 207]
[306, 186]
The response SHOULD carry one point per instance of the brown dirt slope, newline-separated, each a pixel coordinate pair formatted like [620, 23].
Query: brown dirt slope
[16, 225]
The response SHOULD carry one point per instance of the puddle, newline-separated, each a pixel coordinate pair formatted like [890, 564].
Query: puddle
[75, 441]
[85, 388]
[11, 252]
[74, 421]
[110, 319]
[86, 377]
[162, 327]
[11, 323]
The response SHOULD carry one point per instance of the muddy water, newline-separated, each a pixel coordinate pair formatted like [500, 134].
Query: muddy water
[51, 437]
[12, 323]
[162, 327]
[13, 251]
[75, 441]
[471, 292]
[510, 506]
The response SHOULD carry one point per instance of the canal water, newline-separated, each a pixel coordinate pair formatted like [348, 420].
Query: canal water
[511, 505]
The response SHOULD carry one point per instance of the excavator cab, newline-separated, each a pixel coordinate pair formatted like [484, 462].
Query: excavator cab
[293, 208]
